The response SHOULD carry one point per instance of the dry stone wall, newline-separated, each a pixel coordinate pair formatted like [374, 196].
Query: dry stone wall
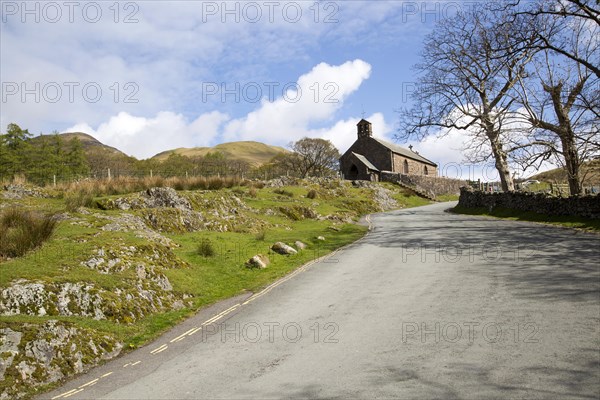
[581, 206]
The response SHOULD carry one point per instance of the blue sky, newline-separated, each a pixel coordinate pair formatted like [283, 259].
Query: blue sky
[146, 76]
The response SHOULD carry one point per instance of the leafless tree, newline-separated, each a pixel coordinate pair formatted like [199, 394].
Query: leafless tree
[559, 96]
[467, 72]
[557, 15]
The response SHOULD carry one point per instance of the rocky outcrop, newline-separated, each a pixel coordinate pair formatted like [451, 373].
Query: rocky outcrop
[32, 355]
[125, 305]
[15, 191]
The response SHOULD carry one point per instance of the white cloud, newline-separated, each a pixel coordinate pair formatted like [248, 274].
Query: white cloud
[277, 122]
[319, 94]
[145, 137]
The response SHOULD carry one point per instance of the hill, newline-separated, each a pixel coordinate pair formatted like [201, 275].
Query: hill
[590, 170]
[254, 153]
[88, 142]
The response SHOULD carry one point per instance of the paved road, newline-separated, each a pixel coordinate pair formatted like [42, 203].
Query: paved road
[428, 305]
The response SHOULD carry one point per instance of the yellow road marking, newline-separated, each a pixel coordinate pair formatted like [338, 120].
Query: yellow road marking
[135, 363]
[181, 336]
[194, 331]
[75, 392]
[90, 383]
[106, 374]
[158, 349]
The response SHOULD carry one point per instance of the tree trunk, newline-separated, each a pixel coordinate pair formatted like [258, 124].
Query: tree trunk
[501, 164]
[500, 156]
[572, 164]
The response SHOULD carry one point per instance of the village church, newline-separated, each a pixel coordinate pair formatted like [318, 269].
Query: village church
[369, 156]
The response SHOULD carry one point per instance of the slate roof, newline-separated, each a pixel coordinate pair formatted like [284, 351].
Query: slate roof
[364, 160]
[405, 152]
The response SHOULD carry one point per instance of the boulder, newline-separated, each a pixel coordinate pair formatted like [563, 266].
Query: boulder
[299, 245]
[258, 261]
[282, 248]
[321, 238]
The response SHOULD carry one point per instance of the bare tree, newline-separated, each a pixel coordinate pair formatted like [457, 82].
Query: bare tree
[555, 37]
[467, 71]
[560, 97]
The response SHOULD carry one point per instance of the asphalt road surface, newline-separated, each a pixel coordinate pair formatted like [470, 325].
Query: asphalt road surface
[428, 305]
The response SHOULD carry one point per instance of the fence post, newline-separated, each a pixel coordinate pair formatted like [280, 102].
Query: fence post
[150, 173]
[54, 179]
[109, 174]
[186, 175]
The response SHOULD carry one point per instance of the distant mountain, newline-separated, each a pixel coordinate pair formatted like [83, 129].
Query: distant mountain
[88, 142]
[254, 153]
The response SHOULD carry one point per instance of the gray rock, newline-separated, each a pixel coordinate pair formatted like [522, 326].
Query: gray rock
[258, 261]
[282, 248]
[299, 245]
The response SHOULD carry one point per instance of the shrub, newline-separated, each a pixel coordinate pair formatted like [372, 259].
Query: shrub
[206, 248]
[260, 236]
[253, 192]
[79, 199]
[23, 230]
[312, 194]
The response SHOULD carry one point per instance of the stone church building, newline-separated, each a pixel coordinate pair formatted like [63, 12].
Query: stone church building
[369, 156]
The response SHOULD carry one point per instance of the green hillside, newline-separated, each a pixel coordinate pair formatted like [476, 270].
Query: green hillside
[590, 171]
[254, 153]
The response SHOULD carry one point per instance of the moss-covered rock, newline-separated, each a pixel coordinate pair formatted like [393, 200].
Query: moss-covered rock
[32, 355]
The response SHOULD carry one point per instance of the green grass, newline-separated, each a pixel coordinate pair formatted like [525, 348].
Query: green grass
[510, 214]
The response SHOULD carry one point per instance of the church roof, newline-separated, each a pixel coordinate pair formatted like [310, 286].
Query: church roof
[364, 160]
[405, 152]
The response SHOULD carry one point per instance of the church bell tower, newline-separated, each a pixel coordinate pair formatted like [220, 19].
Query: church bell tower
[364, 129]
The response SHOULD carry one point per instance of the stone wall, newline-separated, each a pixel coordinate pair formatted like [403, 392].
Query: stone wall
[581, 206]
[429, 184]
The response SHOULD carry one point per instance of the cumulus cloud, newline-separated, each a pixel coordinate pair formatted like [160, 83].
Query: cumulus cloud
[145, 137]
[317, 97]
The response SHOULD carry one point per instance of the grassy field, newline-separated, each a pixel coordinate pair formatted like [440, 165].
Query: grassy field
[505, 213]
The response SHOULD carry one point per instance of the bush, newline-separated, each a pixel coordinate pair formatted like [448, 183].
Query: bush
[206, 248]
[260, 236]
[253, 192]
[23, 230]
[79, 199]
[312, 194]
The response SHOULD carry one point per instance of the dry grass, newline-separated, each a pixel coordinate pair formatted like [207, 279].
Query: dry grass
[22, 230]
[123, 185]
